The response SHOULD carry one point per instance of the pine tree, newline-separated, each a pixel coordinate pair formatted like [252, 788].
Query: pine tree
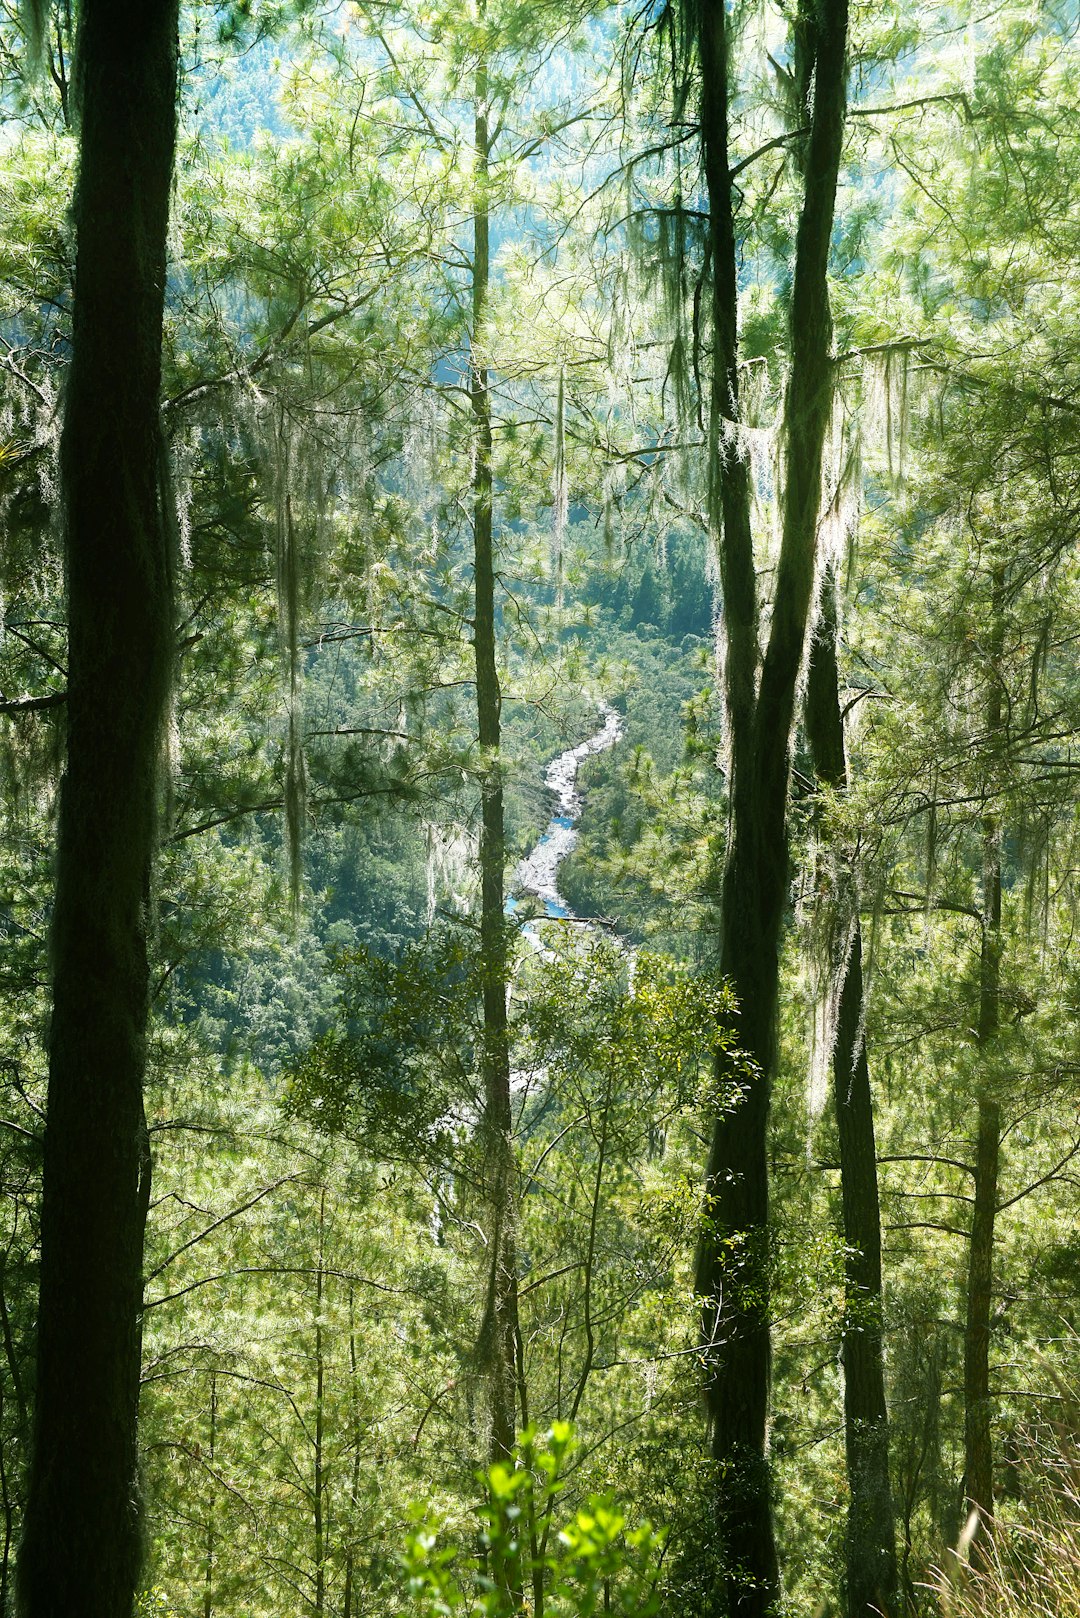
[81, 1541]
[760, 694]
[870, 1544]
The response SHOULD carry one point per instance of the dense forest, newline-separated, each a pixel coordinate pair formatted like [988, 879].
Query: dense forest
[540, 801]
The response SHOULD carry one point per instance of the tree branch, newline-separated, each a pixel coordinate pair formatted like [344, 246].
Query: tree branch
[21, 705]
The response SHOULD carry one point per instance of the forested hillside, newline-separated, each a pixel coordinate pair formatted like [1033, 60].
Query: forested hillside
[540, 803]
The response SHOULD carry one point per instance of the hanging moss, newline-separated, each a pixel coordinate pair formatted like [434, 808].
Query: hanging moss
[288, 583]
[34, 16]
[561, 490]
[301, 479]
[884, 414]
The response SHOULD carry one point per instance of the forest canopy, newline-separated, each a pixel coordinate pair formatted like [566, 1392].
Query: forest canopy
[540, 789]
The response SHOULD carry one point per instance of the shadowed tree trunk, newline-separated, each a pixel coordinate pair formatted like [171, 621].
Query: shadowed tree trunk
[732, 1270]
[870, 1543]
[15, 1444]
[498, 1337]
[978, 1442]
[7, 1504]
[81, 1541]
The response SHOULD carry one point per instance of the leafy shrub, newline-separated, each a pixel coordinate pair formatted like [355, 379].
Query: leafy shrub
[523, 1562]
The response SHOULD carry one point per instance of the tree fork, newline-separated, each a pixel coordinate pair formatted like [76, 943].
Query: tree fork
[736, 1337]
[732, 1272]
[81, 1542]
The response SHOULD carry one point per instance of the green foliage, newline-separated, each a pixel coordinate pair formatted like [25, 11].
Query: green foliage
[401, 1055]
[316, 354]
[594, 1562]
[648, 1032]
[652, 830]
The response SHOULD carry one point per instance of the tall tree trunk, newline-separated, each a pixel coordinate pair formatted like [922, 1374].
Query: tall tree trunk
[81, 1541]
[318, 1479]
[499, 1330]
[735, 1314]
[732, 1260]
[978, 1443]
[209, 1546]
[354, 1481]
[870, 1543]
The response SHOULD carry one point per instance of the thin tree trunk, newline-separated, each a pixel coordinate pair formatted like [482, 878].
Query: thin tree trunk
[22, 1425]
[870, 1544]
[319, 1476]
[208, 1551]
[9, 1512]
[732, 1260]
[354, 1482]
[81, 1542]
[978, 1442]
[499, 1330]
[14, 1452]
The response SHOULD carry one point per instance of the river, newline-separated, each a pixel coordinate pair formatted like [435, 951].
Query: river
[538, 872]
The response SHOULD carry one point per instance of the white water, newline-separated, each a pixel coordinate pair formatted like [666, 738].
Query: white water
[538, 872]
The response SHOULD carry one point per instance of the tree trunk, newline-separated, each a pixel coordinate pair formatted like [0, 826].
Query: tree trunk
[870, 1543]
[81, 1542]
[735, 1313]
[354, 1481]
[15, 1443]
[498, 1338]
[210, 1545]
[318, 1479]
[732, 1259]
[8, 1506]
[978, 1443]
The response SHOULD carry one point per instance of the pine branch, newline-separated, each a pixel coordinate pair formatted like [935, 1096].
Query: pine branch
[21, 705]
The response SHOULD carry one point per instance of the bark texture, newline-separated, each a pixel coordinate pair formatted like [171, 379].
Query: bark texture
[870, 1541]
[760, 698]
[81, 1541]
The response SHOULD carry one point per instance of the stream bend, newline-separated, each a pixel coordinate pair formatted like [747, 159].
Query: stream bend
[538, 871]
